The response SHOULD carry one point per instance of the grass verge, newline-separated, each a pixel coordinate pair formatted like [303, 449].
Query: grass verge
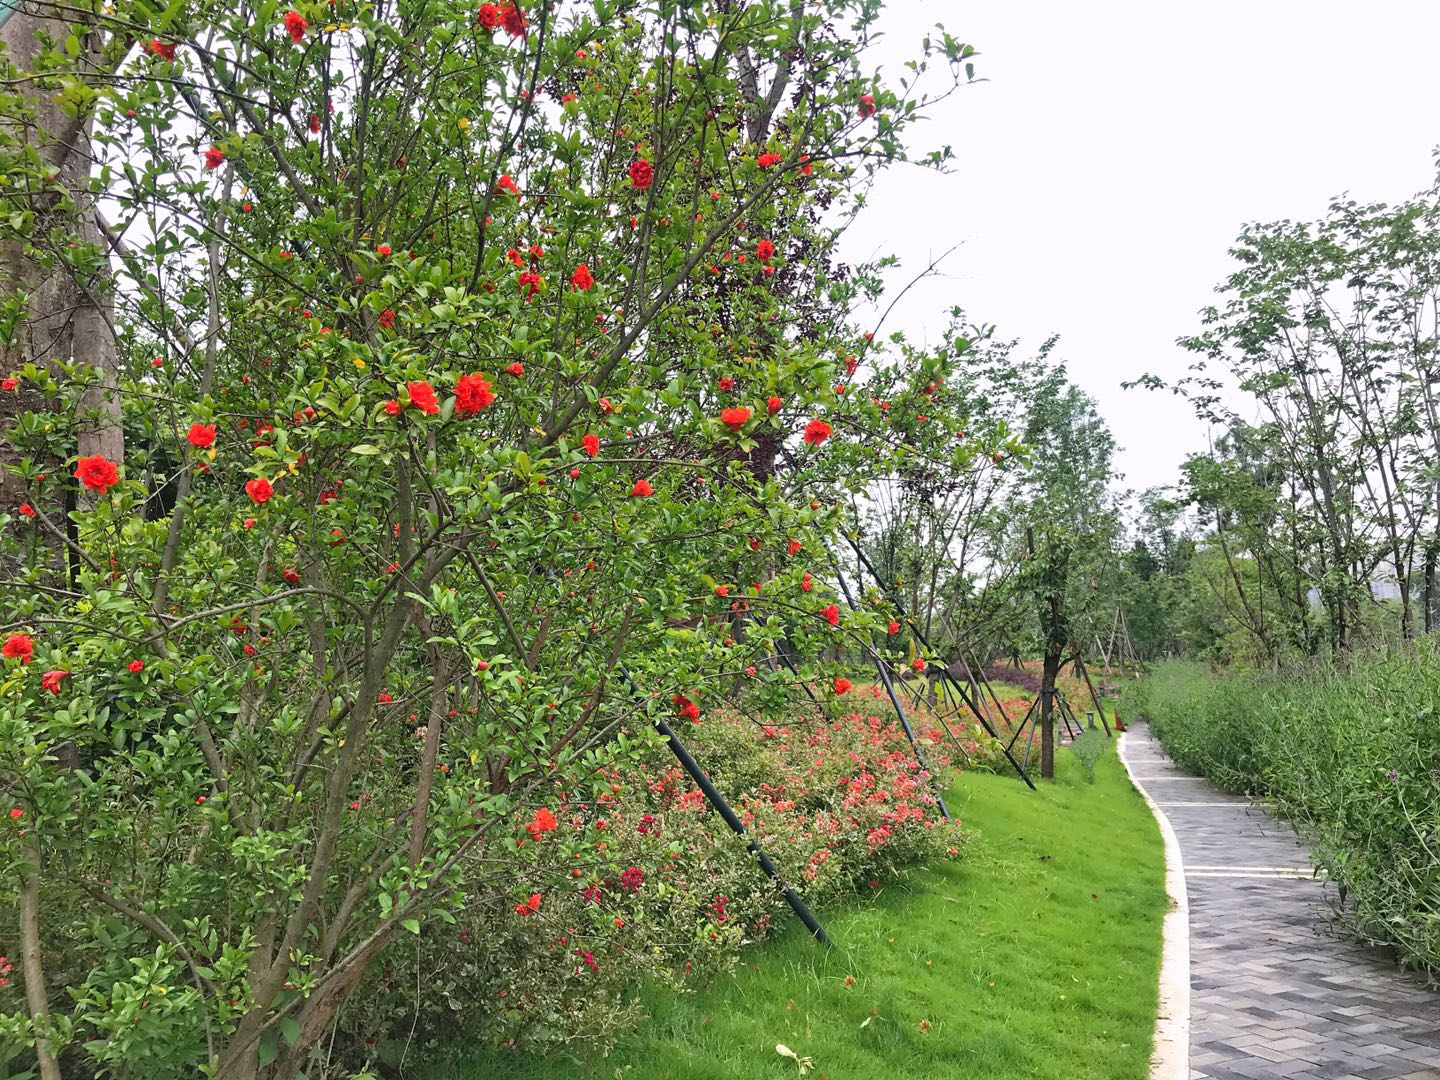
[1035, 956]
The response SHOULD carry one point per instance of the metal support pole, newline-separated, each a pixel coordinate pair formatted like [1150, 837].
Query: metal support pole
[721, 807]
[790, 664]
[1065, 709]
[884, 671]
[1023, 721]
[1095, 697]
[979, 714]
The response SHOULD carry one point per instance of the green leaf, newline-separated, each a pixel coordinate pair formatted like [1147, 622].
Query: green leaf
[269, 1049]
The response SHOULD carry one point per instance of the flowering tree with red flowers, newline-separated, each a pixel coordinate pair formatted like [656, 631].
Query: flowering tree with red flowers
[465, 354]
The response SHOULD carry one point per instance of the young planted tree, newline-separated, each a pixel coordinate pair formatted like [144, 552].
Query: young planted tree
[1329, 328]
[1041, 530]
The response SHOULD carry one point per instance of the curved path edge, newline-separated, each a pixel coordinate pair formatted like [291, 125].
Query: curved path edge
[1170, 1059]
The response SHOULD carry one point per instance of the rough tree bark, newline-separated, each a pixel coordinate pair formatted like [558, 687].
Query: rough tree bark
[69, 313]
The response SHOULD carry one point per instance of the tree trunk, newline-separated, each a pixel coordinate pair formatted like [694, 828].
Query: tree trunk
[69, 314]
[31, 962]
[1051, 669]
[1432, 556]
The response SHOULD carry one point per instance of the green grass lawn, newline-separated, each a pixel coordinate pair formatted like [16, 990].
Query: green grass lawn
[1035, 956]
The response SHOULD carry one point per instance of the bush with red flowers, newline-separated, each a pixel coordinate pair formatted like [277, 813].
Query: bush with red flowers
[283, 704]
[638, 877]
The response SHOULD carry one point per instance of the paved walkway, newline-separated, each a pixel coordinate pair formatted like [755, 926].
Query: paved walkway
[1273, 992]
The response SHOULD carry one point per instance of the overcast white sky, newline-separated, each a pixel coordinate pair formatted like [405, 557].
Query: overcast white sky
[1114, 154]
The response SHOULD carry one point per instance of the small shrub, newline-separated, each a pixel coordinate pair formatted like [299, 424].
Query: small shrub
[641, 880]
[1088, 747]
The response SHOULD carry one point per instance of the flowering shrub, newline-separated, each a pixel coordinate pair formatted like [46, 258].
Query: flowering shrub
[643, 880]
[335, 496]
[1023, 677]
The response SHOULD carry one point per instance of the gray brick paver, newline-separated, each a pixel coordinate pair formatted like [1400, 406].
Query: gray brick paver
[1274, 993]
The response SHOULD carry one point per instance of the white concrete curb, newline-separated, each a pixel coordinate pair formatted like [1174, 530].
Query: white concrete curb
[1171, 1057]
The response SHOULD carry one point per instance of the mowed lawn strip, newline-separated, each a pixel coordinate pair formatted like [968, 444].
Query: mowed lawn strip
[1035, 956]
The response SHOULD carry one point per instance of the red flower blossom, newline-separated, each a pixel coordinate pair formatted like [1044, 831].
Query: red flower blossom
[543, 822]
[893, 627]
[9, 384]
[530, 906]
[488, 16]
[582, 279]
[513, 20]
[214, 157]
[295, 26]
[383, 250]
[831, 614]
[507, 183]
[765, 251]
[642, 174]
[18, 646]
[792, 547]
[842, 686]
[773, 405]
[472, 393]
[97, 473]
[422, 396]
[136, 666]
[517, 369]
[26, 510]
[817, 431]
[51, 680]
[867, 106]
[392, 407]
[160, 50]
[685, 708]
[641, 489]
[591, 444]
[735, 418]
[632, 879]
[314, 123]
[201, 435]
[387, 319]
[766, 160]
[805, 583]
[384, 698]
[532, 281]
[259, 490]
[918, 663]
[15, 815]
